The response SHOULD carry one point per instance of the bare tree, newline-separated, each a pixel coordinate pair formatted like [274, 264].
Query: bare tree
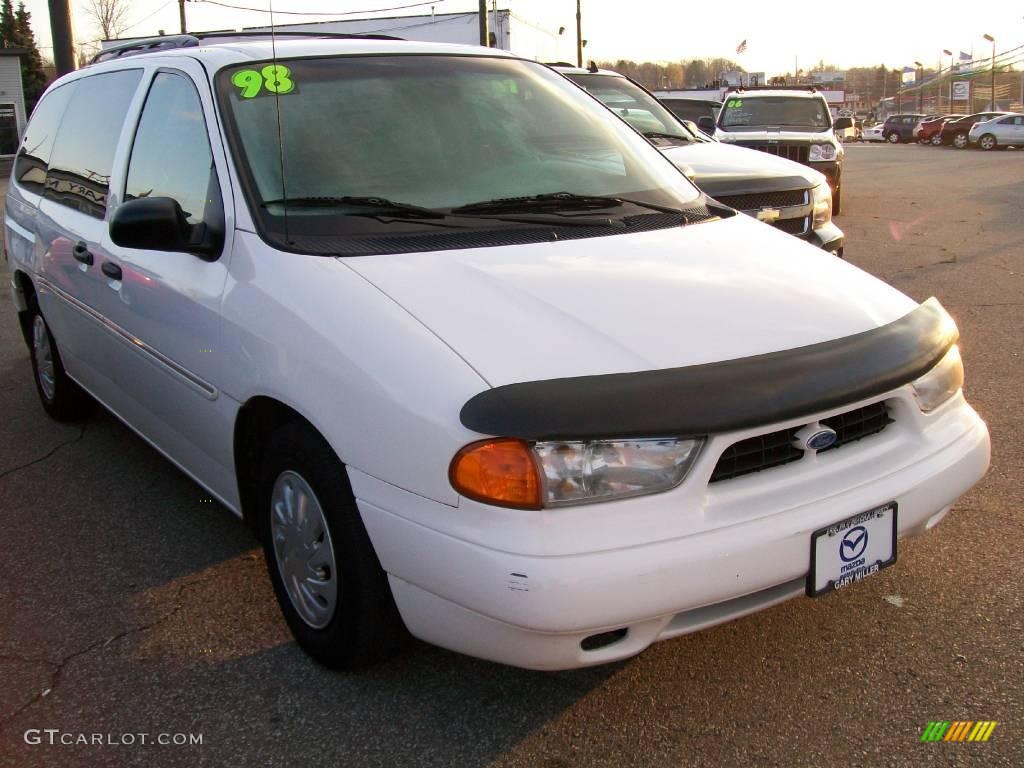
[109, 16]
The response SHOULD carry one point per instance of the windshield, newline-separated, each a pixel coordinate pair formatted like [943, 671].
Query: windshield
[634, 105]
[369, 142]
[774, 110]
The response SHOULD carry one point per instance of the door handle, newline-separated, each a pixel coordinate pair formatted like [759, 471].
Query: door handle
[111, 270]
[82, 253]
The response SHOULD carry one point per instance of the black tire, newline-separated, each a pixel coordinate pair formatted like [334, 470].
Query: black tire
[936, 140]
[61, 398]
[892, 137]
[837, 199]
[988, 142]
[960, 140]
[365, 626]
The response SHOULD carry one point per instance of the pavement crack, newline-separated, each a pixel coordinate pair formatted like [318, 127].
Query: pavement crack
[58, 672]
[48, 455]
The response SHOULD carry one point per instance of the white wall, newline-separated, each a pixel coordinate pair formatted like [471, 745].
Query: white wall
[10, 88]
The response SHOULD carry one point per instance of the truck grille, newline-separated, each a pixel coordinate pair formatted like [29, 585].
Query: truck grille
[757, 201]
[792, 226]
[795, 152]
[776, 448]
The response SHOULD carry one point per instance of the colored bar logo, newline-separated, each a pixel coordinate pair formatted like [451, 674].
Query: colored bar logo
[959, 730]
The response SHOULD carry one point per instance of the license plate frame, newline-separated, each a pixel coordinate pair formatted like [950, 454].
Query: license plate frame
[849, 575]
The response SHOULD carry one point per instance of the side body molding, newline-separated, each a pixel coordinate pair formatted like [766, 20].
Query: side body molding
[719, 397]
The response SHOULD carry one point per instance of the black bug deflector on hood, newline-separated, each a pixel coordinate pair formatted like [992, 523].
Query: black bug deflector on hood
[719, 397]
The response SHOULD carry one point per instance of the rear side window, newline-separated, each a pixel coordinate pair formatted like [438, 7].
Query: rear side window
[83, 154]
[34, 155]
[171, 156]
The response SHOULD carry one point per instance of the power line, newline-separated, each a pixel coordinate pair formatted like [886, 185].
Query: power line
[321, 13]
[147, 18]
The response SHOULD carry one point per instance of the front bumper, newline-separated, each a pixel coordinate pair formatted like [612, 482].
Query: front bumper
[828, 237]
[529, 592]
[832, 170]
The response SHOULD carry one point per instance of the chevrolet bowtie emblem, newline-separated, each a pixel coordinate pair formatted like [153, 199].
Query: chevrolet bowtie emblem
[768, 215]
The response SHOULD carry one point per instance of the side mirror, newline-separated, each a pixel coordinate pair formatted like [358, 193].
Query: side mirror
[842, 123]
[706, 124]
[159, 224]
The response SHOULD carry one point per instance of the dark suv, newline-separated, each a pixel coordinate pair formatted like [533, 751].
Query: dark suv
[956, 132]
[900, 128]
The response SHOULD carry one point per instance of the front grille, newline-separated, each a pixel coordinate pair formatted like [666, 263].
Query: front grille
[858, 424]
[792, 226]
[795, 152]
[777, 448]
[754, 202]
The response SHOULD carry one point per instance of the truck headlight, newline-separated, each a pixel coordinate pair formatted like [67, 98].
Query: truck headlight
[514, 473]
[822, 152]
[941, 382]
[821, 196]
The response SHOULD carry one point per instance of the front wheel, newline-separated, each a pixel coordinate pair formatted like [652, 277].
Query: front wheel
[62, 398]
[329, 583]
[960, 141]
[837, 201]
[893, 138]
[936, 139]
[988, 142]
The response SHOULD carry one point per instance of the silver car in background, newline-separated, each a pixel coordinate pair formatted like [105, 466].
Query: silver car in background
[998, 133]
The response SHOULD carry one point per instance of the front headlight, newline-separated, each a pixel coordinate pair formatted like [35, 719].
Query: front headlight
[821, 196]
[578, 472]
[513, 473]
[941, 382]
[822, 152]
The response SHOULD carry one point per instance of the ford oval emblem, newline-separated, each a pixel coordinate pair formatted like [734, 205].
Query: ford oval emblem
[820, 440]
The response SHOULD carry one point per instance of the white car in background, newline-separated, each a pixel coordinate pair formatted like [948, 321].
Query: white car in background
[998, 133]
[874, 133]
[495, 374]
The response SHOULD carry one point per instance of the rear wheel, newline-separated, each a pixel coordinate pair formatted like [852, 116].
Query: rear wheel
[329, 583]
[936, 139]
[960, 140]
[62, 398]
[988, 142]
[893, 137]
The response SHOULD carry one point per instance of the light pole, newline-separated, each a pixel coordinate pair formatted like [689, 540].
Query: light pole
[920, 88]
[938, 90]
[993, 100]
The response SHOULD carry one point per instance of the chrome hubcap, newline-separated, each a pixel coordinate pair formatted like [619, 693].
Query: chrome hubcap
[303, 550]
[960, 141]
[987, 143]
[44, 357]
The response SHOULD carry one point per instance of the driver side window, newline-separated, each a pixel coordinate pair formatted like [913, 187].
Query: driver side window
[171, 155]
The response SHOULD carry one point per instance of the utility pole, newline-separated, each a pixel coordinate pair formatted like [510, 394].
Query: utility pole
[63, 42]
[949, 106]
[920, 88]
[579, 35]
[484, 37]
[992, 100]
[181, 15]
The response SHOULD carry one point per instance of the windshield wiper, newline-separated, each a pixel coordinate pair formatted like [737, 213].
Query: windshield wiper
[555, 201]
[379, 205]
[660, 135]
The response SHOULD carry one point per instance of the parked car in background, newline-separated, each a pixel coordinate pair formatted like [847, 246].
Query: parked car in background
[874, 133]
[794, 123]
[929, 129]
[957, 132]
[900, 128]
[692, 109]
[495, 374]
[789, 196]
[998, 133]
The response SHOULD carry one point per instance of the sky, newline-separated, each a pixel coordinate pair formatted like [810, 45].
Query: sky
[845, 34]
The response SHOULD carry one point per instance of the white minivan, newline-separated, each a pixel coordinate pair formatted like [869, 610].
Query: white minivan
[474, 359]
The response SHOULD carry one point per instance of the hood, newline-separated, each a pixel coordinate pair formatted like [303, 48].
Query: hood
[707, 292]
[721, 169]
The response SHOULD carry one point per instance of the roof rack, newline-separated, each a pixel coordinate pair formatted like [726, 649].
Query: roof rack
[170, 42]
[808, 88]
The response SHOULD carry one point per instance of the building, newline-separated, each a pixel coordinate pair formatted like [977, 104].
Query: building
[12, 101]
[508, 31]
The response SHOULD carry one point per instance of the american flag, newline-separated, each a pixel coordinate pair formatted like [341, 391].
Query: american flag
[741, 47]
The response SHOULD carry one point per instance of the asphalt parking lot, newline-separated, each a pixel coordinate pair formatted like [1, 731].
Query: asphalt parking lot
[130, 603]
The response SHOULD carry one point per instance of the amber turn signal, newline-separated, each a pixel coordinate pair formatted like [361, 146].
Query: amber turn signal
[502, 472]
